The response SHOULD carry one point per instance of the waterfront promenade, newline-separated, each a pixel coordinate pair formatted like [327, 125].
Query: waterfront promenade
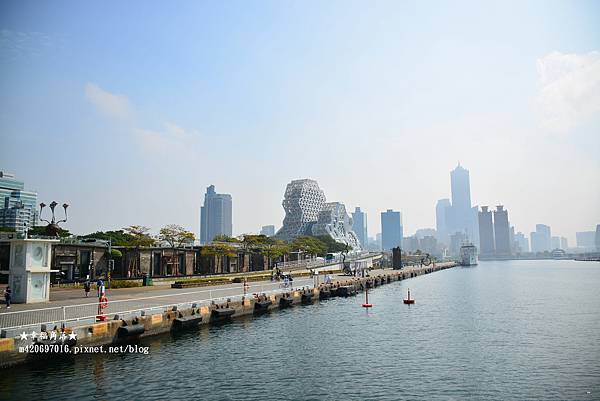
[134, 317]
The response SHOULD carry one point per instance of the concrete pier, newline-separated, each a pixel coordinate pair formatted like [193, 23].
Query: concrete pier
[126, 328]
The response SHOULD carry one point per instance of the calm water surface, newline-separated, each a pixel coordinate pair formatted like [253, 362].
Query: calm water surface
[501, 330]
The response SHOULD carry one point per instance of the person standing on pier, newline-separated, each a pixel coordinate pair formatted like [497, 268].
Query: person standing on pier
[246, 286]
[7, 296]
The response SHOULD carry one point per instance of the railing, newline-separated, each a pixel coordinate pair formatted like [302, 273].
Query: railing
[72, 313]
[315, 263]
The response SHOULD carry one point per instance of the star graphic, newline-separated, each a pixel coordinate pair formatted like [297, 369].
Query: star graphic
[72, 336]
[23, 336]
[33, 334]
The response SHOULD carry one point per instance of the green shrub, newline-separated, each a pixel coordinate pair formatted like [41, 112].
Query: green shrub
[202, 280]
[124, 284]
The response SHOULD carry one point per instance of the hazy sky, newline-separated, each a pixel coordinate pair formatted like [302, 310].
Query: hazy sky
[129, 110]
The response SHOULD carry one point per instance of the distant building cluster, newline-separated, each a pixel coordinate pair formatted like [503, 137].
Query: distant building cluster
[308, 213]
[18, 207]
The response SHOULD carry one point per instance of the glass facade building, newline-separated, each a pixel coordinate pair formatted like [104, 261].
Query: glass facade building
[215, 216]
[391, 229]
[18, 207]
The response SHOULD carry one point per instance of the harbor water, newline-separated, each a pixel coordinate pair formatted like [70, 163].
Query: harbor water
[497, 331]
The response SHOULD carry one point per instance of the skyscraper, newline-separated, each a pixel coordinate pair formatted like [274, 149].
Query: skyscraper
[215, 215]
[442, 209]
[564, 243]
[391, 229]
[460, 216]
[541, 238]
[18, 207]
[522, 242]
[486, 232]
[359, 226]
[555, 242]
[586, 239]
[461, 188]
[501, 231]
[269, 231]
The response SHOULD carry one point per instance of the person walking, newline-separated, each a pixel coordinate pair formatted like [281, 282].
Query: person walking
[7, 296]
[86, 287]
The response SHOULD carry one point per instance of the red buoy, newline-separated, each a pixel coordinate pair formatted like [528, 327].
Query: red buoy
[367, 304]
[409, 301]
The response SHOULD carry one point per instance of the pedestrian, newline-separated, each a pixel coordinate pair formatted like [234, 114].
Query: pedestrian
[246, 286]
[100, 287]
[7, 296]
[86, 287]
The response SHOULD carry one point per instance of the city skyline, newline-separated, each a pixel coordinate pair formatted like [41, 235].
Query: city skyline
[148, 115]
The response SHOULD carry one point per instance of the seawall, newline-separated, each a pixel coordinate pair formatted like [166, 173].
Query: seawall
[127, 328]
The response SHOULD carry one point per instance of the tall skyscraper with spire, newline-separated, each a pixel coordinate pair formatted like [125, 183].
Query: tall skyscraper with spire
[459, 216]
[461, 188]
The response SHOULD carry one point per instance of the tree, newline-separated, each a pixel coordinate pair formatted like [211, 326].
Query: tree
[176, 236]
[310, 245]
[219, 251]
[140, 236]
[116, 254]
[225, 238]
[253, 242]
[117, 237]
[332, 245]
[273, 248]
[41, 230]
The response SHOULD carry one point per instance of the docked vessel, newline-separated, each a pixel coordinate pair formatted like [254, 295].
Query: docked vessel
[468, 255]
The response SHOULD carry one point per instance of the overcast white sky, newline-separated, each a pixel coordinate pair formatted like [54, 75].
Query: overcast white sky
[129, 111]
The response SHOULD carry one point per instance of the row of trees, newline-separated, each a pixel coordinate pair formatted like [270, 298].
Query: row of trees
[222, 246]
[272, 248]
[139, 236]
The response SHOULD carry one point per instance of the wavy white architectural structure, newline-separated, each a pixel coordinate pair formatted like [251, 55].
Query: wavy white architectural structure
[306, 213]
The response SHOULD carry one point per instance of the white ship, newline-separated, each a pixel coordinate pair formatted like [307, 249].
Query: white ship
[468, 255]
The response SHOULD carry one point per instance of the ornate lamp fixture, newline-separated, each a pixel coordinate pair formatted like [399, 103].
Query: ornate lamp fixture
[52, 229]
